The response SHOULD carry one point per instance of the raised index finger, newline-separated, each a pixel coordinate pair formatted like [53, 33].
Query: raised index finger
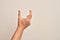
[19, 14]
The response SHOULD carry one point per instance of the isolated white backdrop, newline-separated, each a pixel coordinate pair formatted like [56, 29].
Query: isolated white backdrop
[45, 23]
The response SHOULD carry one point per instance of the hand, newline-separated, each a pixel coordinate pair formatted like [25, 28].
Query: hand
[24, 22]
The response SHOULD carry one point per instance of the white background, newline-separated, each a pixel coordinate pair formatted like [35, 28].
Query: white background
[45, 23]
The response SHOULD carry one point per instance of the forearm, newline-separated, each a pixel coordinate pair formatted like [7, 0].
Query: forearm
[18, 34]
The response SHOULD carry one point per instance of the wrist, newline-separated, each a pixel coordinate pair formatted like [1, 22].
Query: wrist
[21, 27]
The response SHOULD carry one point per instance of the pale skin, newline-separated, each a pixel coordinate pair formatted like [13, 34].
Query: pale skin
[23, 23]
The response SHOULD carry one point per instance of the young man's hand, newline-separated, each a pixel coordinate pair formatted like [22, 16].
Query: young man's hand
[24, 22]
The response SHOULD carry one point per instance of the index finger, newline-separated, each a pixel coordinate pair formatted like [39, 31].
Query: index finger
[19, 14]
